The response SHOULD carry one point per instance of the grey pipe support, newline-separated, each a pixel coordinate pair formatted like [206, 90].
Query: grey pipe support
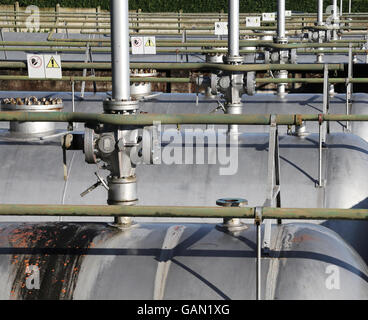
[120, 49]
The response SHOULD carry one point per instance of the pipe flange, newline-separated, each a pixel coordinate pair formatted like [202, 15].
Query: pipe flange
[232, 224]
[89, 145]
[233, 59]
[33, 107]
[281, 40]
[251, 83]
[232, 202]
[143, 73]
[120, 105]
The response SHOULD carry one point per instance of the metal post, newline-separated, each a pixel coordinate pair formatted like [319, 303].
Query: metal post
[259, 261]
[119, 49]
[57, 11]
[349, 6]
[258, 221]
[16, 12]
[73, 101]
[320, 182]
[98, 11]
[2, 39]
[349, 85]
[233, 28]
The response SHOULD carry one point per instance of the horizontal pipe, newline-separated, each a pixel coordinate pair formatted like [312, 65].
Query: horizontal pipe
[256, 43]
[100, 79]
[189, 212]
[148, 119]
[183, 80]
[191, 66]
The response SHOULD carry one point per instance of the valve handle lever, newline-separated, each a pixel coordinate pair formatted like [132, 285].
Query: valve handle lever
[100, 181]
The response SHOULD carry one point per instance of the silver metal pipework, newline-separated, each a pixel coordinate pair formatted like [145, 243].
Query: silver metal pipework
[281, 38]
[233, 28]
[320, 33]
[281, 87]
[340, 8]
[335, 14]
[234, 108]
[281, 34]
[120, 49]
[320, 13]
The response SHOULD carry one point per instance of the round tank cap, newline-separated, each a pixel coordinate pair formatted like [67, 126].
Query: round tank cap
[232, 202]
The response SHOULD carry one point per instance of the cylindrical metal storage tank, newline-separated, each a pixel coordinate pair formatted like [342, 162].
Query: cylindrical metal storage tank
[175, 261]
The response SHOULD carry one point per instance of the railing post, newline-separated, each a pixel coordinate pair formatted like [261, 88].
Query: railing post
[57, 11]
[179, 19]
[16, 12]
[138, 14]
[98, 11]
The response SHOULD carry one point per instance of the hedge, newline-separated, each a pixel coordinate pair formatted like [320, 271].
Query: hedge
[194, 5]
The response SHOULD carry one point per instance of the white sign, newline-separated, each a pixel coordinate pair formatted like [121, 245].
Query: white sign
[137, 45]
[288, 13]
[143, 45]
[149, 45]
[36, 66]
[53, 66]
[221, 28]
[252, 21]
[269, 16]
[44, 66]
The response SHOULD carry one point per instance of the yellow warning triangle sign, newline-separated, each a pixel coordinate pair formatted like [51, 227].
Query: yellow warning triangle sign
[150, 43]
[52, 63]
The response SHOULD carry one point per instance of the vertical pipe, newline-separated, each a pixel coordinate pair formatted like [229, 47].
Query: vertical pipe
[120, 49]
[320, 183]
[335, 20]
[233, 28]
[281, 35]
[349, 6]
[320, 13]
[320, 23]
[340, 8]
[258, 263]
[334, 8]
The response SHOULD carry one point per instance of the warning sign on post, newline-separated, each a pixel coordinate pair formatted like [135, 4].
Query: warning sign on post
[36, 66]
[143, 45]
[149, 45]
[53, 66]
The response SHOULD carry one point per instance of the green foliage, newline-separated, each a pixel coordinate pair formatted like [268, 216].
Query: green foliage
[194, 5]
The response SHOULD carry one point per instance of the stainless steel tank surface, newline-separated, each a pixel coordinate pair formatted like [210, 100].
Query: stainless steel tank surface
[175, 261]
[32, 173]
